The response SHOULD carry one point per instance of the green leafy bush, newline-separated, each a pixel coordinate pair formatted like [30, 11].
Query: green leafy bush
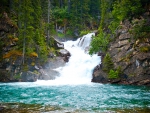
[140, 29]
[99, 42]
[124, 9]
[69, 32]
[113, 74]
[84, 32]
[145, 49]
[17, 76]
[61, 35]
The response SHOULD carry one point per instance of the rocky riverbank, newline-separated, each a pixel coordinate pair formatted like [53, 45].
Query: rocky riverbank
[14, 71]
[129, 53]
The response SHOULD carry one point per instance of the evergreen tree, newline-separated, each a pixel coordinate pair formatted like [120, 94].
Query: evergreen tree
[107, 63]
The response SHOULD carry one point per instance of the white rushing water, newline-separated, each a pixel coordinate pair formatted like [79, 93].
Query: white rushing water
[80, 66]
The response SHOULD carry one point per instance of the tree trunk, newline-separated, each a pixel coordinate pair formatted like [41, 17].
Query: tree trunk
[19, 14]
[48, 21]
[61, 3]
[24, 32]
[56, 27]
[81, 3]
[10, 5]
[69, 3]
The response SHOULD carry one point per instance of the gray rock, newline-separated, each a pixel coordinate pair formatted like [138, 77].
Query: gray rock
[65, 54]
[99, 76]
[29, 76]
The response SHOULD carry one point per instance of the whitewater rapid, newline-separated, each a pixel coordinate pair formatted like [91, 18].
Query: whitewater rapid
[80, 66]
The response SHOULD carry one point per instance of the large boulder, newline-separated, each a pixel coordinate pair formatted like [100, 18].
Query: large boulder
[49, 70]
[29, 76]
[57, 44]
[65, 54]
[98, 75]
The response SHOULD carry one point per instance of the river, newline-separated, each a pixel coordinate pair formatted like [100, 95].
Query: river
[72, 91]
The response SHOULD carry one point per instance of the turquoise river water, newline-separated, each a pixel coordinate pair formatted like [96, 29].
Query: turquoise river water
[89, 98]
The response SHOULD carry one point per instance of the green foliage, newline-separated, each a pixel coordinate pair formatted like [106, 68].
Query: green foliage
[125, 8]
[69, 32]
[122, 10]
[140, 29]
[114, 25]
[119, 70]
[113, 74]
[84, 32]
[36, 72]
[99, 42]
[72, 16]
[145, 49]
[79, 14]
[31, 28]
[17, 76]
[25, 68]
[60, 13]
[107, 63]
[61, 35]
[104, 6]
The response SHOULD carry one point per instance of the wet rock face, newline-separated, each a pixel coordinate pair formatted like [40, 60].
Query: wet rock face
[132, 55]
[4, 75]
[98, 75]
[65, 54]
[29, 76]
[57, 44]
[48, 72]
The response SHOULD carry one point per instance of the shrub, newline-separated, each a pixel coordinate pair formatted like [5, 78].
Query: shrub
[61, 35]
[33, 54]
[84, 32]
[99, 42]
[13, 53]
[17, 76]
[107, 63]
[69, 32]
[145, 49]
[140, 29]
[113, 74]
[119, 70]
[25, 68]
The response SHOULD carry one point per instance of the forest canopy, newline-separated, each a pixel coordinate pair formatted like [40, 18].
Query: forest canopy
[38, 20]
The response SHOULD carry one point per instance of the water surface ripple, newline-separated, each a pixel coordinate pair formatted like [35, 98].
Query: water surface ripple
[90, 97]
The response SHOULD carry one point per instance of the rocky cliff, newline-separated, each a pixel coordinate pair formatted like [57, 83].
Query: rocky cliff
[130, 51]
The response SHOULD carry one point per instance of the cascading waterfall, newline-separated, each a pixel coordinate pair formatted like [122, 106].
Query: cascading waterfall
[80, 66]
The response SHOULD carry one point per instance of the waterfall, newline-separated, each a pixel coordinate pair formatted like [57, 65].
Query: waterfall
[80, 66]
[84, 42]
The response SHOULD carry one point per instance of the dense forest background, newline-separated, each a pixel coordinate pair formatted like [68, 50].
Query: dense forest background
[35, 22]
